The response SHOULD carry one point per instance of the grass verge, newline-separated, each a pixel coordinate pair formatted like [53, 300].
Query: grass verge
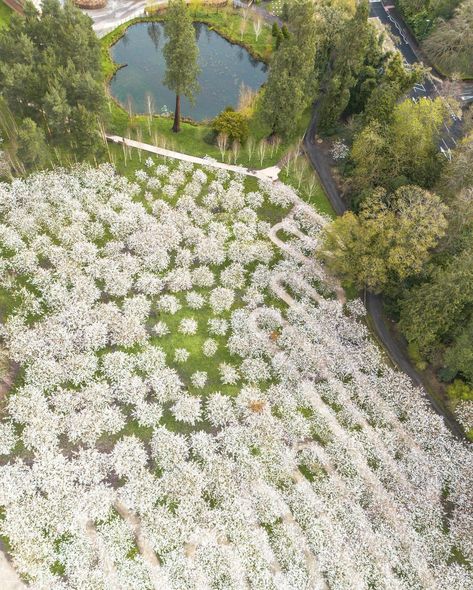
[198, 139]
[5, 14]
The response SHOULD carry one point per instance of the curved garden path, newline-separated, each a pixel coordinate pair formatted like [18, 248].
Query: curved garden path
[316, 269]
[9, 579]
[374, 304]
[386, 497]
[318, 159]
[104, 557]
[395, 350]
[144, 546]
[108, 19]
[271, 173]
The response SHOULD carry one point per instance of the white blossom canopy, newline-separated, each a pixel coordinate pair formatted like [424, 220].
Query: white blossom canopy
[175, 424]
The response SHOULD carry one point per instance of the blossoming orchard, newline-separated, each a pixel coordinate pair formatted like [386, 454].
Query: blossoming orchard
[195, 405]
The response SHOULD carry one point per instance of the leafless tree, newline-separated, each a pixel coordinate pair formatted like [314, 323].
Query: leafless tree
[222, 143]
[236, 150]
[262, 150]
[250, 147]
[257, 27]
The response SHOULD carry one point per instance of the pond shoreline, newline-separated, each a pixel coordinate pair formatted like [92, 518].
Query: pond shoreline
[225, 68]
[110, 67]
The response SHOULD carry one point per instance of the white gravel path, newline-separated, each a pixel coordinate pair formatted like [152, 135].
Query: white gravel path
[9, 579]
[271, 173]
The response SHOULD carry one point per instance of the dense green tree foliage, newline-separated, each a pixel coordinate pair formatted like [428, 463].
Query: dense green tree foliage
[181, 53]
[348, 42]
[31, 146]
[420, 257]
[50, 72]
[332, 53]
[403, 150]
[290, 86]
[370, 74]
[432, 311]
[393, 83]
[233, 124]
[458, 173]
[424, 15]
[279, 34]
[437, 312]
[388, 241]
[459, 357]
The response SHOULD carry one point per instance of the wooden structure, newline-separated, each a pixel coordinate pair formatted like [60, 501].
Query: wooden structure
[16, 5]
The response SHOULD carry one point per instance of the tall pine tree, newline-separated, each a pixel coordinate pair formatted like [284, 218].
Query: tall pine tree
[51, 73]
[181, 54]
[289, 89]
[344, 64]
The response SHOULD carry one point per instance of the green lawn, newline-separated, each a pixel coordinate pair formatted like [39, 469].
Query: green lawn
[299, 174]
[193, 343]
[274, 6]
[5, 14]
[197, 139]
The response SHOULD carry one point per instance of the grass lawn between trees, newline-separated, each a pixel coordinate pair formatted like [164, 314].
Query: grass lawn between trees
[175, 339]
[198, 139]
[128, 164]
[129, 364]
[5, 14]
[298, 173]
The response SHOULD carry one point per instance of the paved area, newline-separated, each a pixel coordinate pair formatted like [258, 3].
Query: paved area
[9, 579]
[271, 173]
[116, 13]
[431, 87]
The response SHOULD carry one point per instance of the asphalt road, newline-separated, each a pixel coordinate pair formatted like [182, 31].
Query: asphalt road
[395, 349]
[431, 87]
[374, 303]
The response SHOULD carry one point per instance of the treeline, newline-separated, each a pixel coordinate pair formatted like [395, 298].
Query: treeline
[446, 29]
[333, 54]
[392, 168]
[436, 309]
[409, 234]
[411, 238]
[51, 82]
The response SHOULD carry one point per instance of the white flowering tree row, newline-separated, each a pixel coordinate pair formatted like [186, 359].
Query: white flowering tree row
[175, 426]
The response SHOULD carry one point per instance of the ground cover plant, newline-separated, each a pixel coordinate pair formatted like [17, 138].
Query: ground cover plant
[196, 407]
[5, 13]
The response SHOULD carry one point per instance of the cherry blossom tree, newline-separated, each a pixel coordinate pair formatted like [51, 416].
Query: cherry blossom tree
[282, 453]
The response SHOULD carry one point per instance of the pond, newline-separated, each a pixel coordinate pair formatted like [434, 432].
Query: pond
[225, 67]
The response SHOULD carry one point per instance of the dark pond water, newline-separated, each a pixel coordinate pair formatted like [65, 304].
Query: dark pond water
[224, 68]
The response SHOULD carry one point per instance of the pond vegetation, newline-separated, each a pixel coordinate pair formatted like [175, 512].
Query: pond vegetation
[224, 68]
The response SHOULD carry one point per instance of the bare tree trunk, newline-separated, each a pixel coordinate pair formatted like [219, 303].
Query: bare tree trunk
[177, 115]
